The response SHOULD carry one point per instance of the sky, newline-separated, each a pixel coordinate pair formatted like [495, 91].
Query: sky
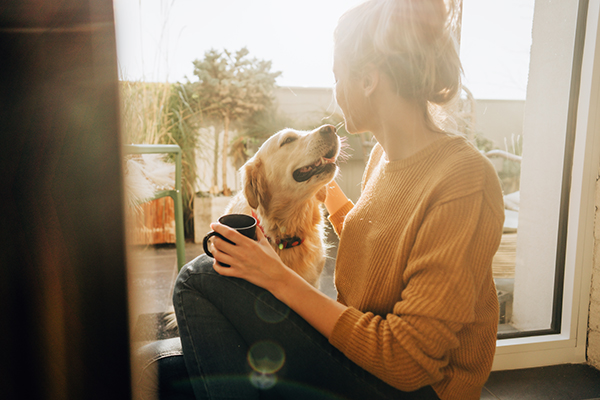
[157, 40]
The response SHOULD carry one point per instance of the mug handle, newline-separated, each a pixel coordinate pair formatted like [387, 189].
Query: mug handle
[205, 243]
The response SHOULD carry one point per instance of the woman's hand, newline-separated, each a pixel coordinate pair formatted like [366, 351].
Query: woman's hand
[254, 261]
[258, 263]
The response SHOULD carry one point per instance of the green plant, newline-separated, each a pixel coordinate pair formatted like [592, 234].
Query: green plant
[143, 110]
[484, 144]
[180, 121]
[161, 113]
[231, 87]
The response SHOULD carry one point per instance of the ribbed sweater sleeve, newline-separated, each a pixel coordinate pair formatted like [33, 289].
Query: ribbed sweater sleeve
[414, 267]
[337, 219]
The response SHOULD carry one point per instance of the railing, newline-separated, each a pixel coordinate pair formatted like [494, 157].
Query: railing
[175, 194]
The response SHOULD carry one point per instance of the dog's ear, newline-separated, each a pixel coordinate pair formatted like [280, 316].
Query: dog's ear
[322, 194]
[256, 189]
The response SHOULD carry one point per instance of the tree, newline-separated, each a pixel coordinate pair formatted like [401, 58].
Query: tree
[231, 88]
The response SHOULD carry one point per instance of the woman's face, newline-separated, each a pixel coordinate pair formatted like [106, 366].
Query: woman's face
[349, 97]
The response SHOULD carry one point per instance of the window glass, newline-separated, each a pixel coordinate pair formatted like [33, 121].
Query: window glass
[518, 78]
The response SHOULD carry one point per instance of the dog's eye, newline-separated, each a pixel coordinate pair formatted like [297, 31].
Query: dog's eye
[287, 140]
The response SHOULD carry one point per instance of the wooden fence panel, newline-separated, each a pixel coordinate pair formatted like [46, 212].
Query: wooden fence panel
[155, 223]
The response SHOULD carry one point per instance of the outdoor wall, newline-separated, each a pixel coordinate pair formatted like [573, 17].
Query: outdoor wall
[593, 353]
[499, 120]
[306, 104]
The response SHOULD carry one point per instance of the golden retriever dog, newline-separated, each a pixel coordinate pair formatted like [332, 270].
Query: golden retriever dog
[284, 187]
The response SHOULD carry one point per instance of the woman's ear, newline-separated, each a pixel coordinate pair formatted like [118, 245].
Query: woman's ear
[370, 79]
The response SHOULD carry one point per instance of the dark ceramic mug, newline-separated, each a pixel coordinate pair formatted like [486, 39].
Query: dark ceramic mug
[244, 224]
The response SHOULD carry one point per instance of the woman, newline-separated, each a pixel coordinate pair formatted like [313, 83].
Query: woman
[417, 311]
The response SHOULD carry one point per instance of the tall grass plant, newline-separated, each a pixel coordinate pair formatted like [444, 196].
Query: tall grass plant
[160, 113]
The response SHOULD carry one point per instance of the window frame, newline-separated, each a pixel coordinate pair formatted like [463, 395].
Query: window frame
[565, 341]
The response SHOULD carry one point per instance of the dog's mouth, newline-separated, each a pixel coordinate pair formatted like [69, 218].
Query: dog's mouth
[324, 164]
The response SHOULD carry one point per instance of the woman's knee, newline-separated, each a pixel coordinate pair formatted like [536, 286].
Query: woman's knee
[199, 266]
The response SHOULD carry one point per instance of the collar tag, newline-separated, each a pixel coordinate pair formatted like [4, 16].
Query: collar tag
[283, 243]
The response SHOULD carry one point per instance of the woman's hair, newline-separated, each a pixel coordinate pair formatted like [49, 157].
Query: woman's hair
[409, 40]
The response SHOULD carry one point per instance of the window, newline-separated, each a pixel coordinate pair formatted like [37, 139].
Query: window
[496, 64]
[558, 171]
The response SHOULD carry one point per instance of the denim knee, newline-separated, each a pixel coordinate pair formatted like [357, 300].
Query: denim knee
[202, 264]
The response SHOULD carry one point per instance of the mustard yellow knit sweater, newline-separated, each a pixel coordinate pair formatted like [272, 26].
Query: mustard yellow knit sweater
[414, 267]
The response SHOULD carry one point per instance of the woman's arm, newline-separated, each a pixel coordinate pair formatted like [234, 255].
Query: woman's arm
[335, 199]
[257, 263]
[338, 205]
[316, 308]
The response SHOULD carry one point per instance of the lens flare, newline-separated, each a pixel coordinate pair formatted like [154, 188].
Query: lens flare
[263, 381]
[266, 357]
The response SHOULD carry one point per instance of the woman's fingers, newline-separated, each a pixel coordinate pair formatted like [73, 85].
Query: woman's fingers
[235, 237]
[228, 253]
[222, 270]
[230, 234]
[259, 235]
[226, 231]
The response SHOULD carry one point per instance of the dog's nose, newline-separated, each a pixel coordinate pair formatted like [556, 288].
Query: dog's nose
[327, 130]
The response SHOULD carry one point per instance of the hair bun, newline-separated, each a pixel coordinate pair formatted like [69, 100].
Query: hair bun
[411, 41]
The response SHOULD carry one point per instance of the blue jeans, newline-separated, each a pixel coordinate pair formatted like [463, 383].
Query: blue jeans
[240, 342]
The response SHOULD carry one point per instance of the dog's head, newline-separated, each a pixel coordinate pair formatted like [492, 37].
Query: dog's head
[292, 164]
